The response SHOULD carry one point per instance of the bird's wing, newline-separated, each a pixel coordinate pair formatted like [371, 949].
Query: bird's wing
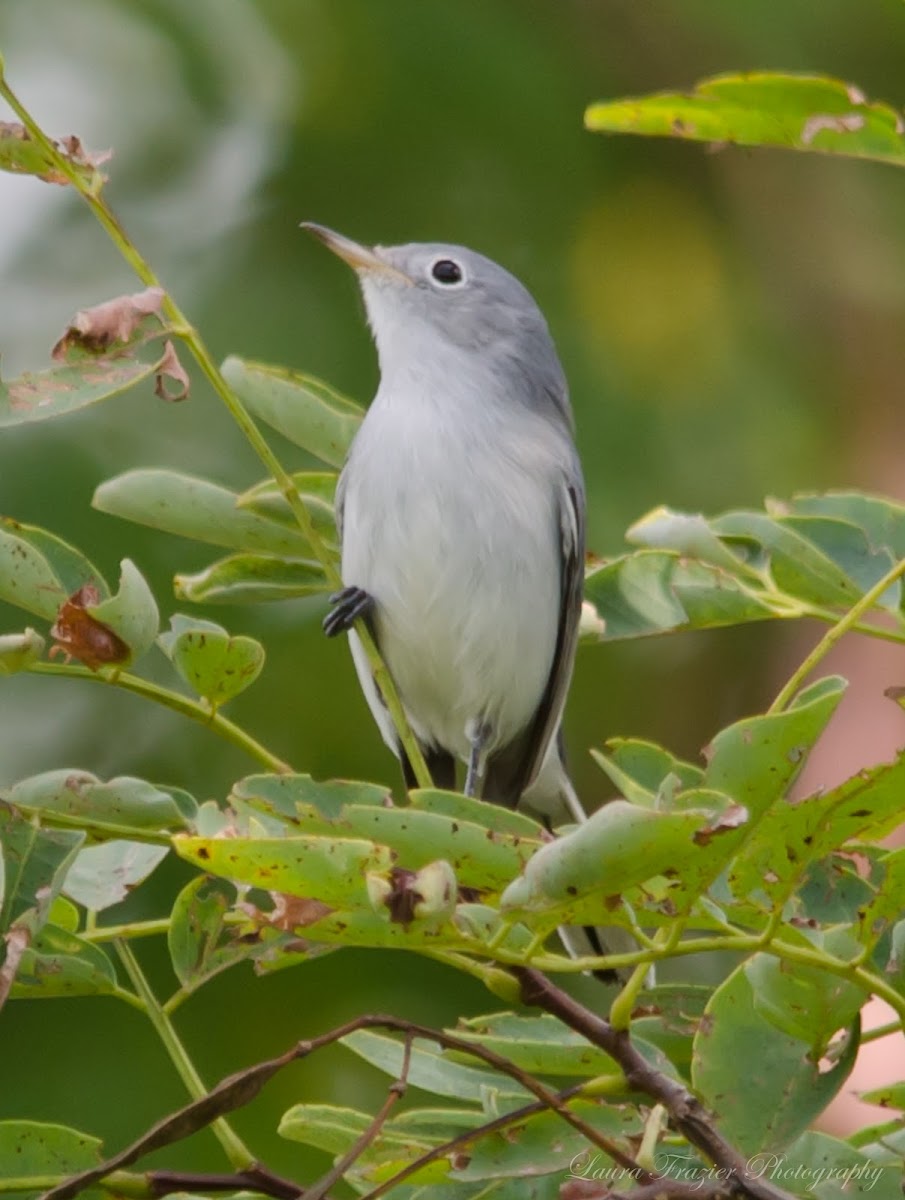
[514, 768]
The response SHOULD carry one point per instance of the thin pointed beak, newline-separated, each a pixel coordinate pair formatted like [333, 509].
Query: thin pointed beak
[360, 258]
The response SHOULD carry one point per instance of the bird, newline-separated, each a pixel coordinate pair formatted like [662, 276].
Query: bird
[461, 516]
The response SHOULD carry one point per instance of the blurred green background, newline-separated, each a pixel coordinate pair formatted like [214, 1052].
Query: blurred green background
[730, 323]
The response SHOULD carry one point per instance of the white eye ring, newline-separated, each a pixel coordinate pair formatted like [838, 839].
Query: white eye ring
[446, 273]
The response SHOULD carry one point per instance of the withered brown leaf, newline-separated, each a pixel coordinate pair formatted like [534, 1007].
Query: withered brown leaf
[170, 367]
[77, 634]
[96, 329]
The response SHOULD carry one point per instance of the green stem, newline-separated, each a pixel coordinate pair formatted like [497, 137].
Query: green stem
[236, 1151]
[138, 929]
[877, 631]
[556, 963]
[845, 970]
[833, 635]
[624, 1004]
[184, 328]
[128, 997]
[881, 1031]
[101, 830]
[178, 703]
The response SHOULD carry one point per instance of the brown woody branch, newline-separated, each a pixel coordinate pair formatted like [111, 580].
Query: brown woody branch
[686, 1112]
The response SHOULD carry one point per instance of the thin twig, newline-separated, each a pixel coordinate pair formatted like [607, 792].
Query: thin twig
[657, 1189]
[686, 1112]
[833, 635]
[184, 329]
[397, 1089]
[255, 1179]
[464, 1139]
[176, 702]
[238, 1089]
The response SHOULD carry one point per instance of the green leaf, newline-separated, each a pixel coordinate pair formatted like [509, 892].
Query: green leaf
[756, 760]
[692, 536]
[300, 798]
[797, 565]
[657, 591]
[736, 1041]
[201, 944]
[58, 963]
[398, 1142]
[431, 1070]
[480, 856]
[826, 1168]
[540, 1045]
[316, 490]
[35, 864]
[27, 579]
[331, 870]
[132, 613]
[791, 836]
[884, 910]
[122, 802]
[105, 875]
[328, 1127]
[673, 1013]
[69, 386]
[71, 568]
[543, 1145]
[252, 579]
[502, 821]
[791, 112]
[892, 1095]
[215, 664]
[620, 845]
[802, 1001]
[19, 650]
[882, 520]
[33, 1149]
[22, 155]
[305, 410]
[640, 769]
[195, 508]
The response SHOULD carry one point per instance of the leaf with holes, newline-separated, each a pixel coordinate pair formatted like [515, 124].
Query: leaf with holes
[736, 1041]
[763, 108]
[331, 870]
[215, 664]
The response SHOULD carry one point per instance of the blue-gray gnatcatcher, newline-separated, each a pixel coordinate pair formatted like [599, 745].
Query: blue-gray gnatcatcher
[461, 512]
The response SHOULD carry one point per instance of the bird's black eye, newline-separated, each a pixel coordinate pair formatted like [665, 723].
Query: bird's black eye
[446, 271]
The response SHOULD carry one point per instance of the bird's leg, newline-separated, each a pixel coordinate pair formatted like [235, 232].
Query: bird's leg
[348, 605]
[478, 734]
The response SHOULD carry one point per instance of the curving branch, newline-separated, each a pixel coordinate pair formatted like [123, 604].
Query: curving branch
[240, 1088]
[686, 1112]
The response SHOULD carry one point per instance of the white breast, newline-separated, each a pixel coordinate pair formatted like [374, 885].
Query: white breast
[450, 522]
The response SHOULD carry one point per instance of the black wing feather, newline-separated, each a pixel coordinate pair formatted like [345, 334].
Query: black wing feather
[512, 769]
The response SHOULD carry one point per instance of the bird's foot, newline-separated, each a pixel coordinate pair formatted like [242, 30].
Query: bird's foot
[348, 605]
[478, 734]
